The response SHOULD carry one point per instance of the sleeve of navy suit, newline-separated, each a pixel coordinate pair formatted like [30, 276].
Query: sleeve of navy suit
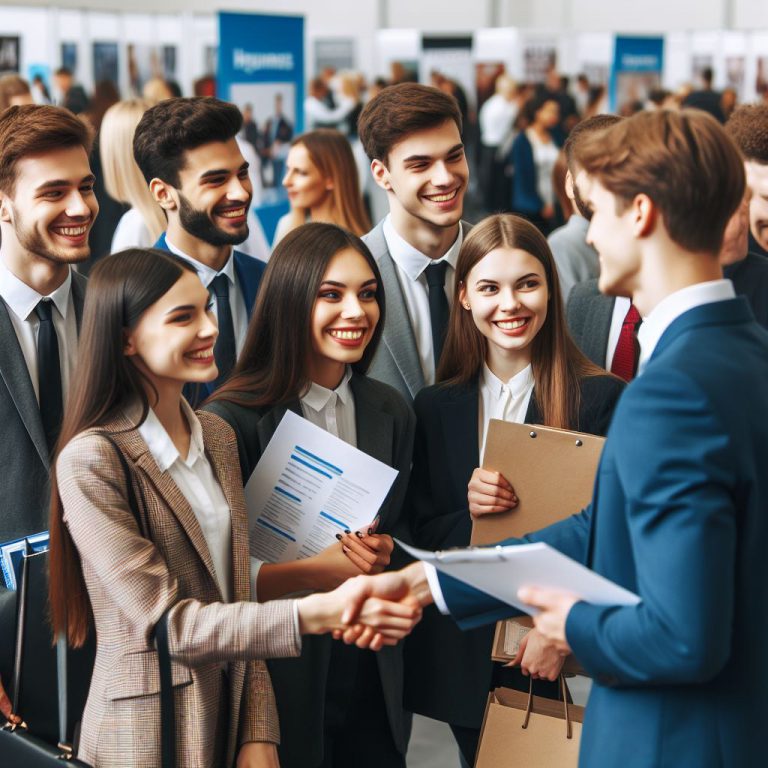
[675, 473]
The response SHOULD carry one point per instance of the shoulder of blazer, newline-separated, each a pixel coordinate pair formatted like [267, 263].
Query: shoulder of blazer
[599, 396]
[250, 265]
[378, 393]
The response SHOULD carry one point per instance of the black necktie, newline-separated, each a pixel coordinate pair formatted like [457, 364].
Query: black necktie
[224, 352]
[49, 373]
[438, 305]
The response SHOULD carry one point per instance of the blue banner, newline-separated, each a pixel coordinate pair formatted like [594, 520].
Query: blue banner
[637, 69]
[261, 69]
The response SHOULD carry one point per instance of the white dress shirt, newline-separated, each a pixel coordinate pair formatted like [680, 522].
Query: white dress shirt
[236, 298]
[21, 300]
[649, 334]
[410, 265]
[505, 401]
[332, 410]
[496, 117]
[620, 308]
[197, 482]
[674, 305]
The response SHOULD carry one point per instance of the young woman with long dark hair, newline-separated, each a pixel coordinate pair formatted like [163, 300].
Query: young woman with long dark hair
[314, 330]
[147, 330]
[507, 355]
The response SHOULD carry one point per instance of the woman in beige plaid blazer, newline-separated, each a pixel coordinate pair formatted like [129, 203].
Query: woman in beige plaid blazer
[147, 330]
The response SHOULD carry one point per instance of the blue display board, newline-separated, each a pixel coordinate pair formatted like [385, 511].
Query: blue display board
[261, 66]
[637, 69]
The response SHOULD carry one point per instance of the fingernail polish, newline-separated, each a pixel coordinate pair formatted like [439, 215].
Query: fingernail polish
[358, 534]
[347, 531]
[339, 536]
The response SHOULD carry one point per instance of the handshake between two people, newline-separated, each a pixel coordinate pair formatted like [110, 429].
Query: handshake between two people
[368, 611]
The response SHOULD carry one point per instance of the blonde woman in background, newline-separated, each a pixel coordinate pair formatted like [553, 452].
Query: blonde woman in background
[322, 183]
[145, 221]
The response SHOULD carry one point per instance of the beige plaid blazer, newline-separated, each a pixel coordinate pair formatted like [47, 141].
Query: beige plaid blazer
[223, 694]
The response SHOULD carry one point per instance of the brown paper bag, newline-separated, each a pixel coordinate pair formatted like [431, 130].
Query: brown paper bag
[530, 731]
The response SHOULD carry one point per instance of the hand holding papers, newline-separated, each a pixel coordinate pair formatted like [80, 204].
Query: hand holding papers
[307, 487]
[502, 571]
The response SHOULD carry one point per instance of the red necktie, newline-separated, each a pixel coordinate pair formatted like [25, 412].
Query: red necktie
[627, 350]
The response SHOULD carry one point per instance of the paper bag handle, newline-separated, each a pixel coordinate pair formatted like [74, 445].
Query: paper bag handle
[564, 693]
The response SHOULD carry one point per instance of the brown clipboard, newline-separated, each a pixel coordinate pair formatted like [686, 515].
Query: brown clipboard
[552, 471]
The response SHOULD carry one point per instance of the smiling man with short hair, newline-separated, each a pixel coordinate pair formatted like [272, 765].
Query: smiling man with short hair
[412, 135]
[187, 151]
[47, 208]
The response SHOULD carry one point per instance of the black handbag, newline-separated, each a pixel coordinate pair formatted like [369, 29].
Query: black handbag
[20, 747]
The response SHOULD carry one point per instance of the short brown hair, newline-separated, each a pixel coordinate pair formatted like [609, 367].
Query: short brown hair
[400, 110]
[585, 128]
[168, 129]
[748, 127]
[35, 129]
[10, 86]
[684, 161]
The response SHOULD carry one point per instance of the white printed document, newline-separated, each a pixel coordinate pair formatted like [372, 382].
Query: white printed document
[307, 487]
[501, 571]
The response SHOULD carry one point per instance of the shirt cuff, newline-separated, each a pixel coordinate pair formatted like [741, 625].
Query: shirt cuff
[434, 587]
[255, 568]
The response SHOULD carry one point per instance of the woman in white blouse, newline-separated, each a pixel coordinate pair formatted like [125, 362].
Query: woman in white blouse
[180, 550]
[315, 327]
[507, 355]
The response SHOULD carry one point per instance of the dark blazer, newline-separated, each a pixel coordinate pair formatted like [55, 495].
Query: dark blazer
[589, 314]
[445, 455]
[248, 272]
[525, 193]
[396, 361]
[750, 279]
[678, 516]
[385, 425]
[24, 488]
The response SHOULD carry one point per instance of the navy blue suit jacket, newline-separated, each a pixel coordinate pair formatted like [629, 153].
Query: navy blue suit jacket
[678, 516]
[248, 272]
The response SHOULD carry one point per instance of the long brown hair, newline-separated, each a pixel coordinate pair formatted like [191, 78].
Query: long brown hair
[331, 153]
[273, 368]
[120, 289]
[557, 362]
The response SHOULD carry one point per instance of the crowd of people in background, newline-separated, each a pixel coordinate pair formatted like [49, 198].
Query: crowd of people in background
[502, 319]
[514, 140]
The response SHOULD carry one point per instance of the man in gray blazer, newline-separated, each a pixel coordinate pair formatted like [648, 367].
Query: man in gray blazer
[412, 135]
[47, 208]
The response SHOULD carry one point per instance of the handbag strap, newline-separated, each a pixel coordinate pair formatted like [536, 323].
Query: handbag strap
[563, 692]
[160, 634]
[18, 656]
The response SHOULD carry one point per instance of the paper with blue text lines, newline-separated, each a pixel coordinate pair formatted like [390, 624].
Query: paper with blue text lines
[308, 486]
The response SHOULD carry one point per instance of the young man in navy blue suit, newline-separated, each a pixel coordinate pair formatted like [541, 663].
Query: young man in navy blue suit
[187, 151]
[678, 512]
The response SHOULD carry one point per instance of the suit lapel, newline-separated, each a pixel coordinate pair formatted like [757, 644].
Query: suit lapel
[398, 334]
[459, 418]
[14, 372]
[222, 462]
[79, 284]
[598, 328]
[165, 487]
[247, 286]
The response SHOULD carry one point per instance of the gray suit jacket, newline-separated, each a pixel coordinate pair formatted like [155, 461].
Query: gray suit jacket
[397, 359]
[589, 315]
[576, 260]
[24, 487]
[385, 428]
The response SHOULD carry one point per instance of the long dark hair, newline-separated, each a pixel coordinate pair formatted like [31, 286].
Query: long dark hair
[557, 362]
[120, 289]
[273, 368]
